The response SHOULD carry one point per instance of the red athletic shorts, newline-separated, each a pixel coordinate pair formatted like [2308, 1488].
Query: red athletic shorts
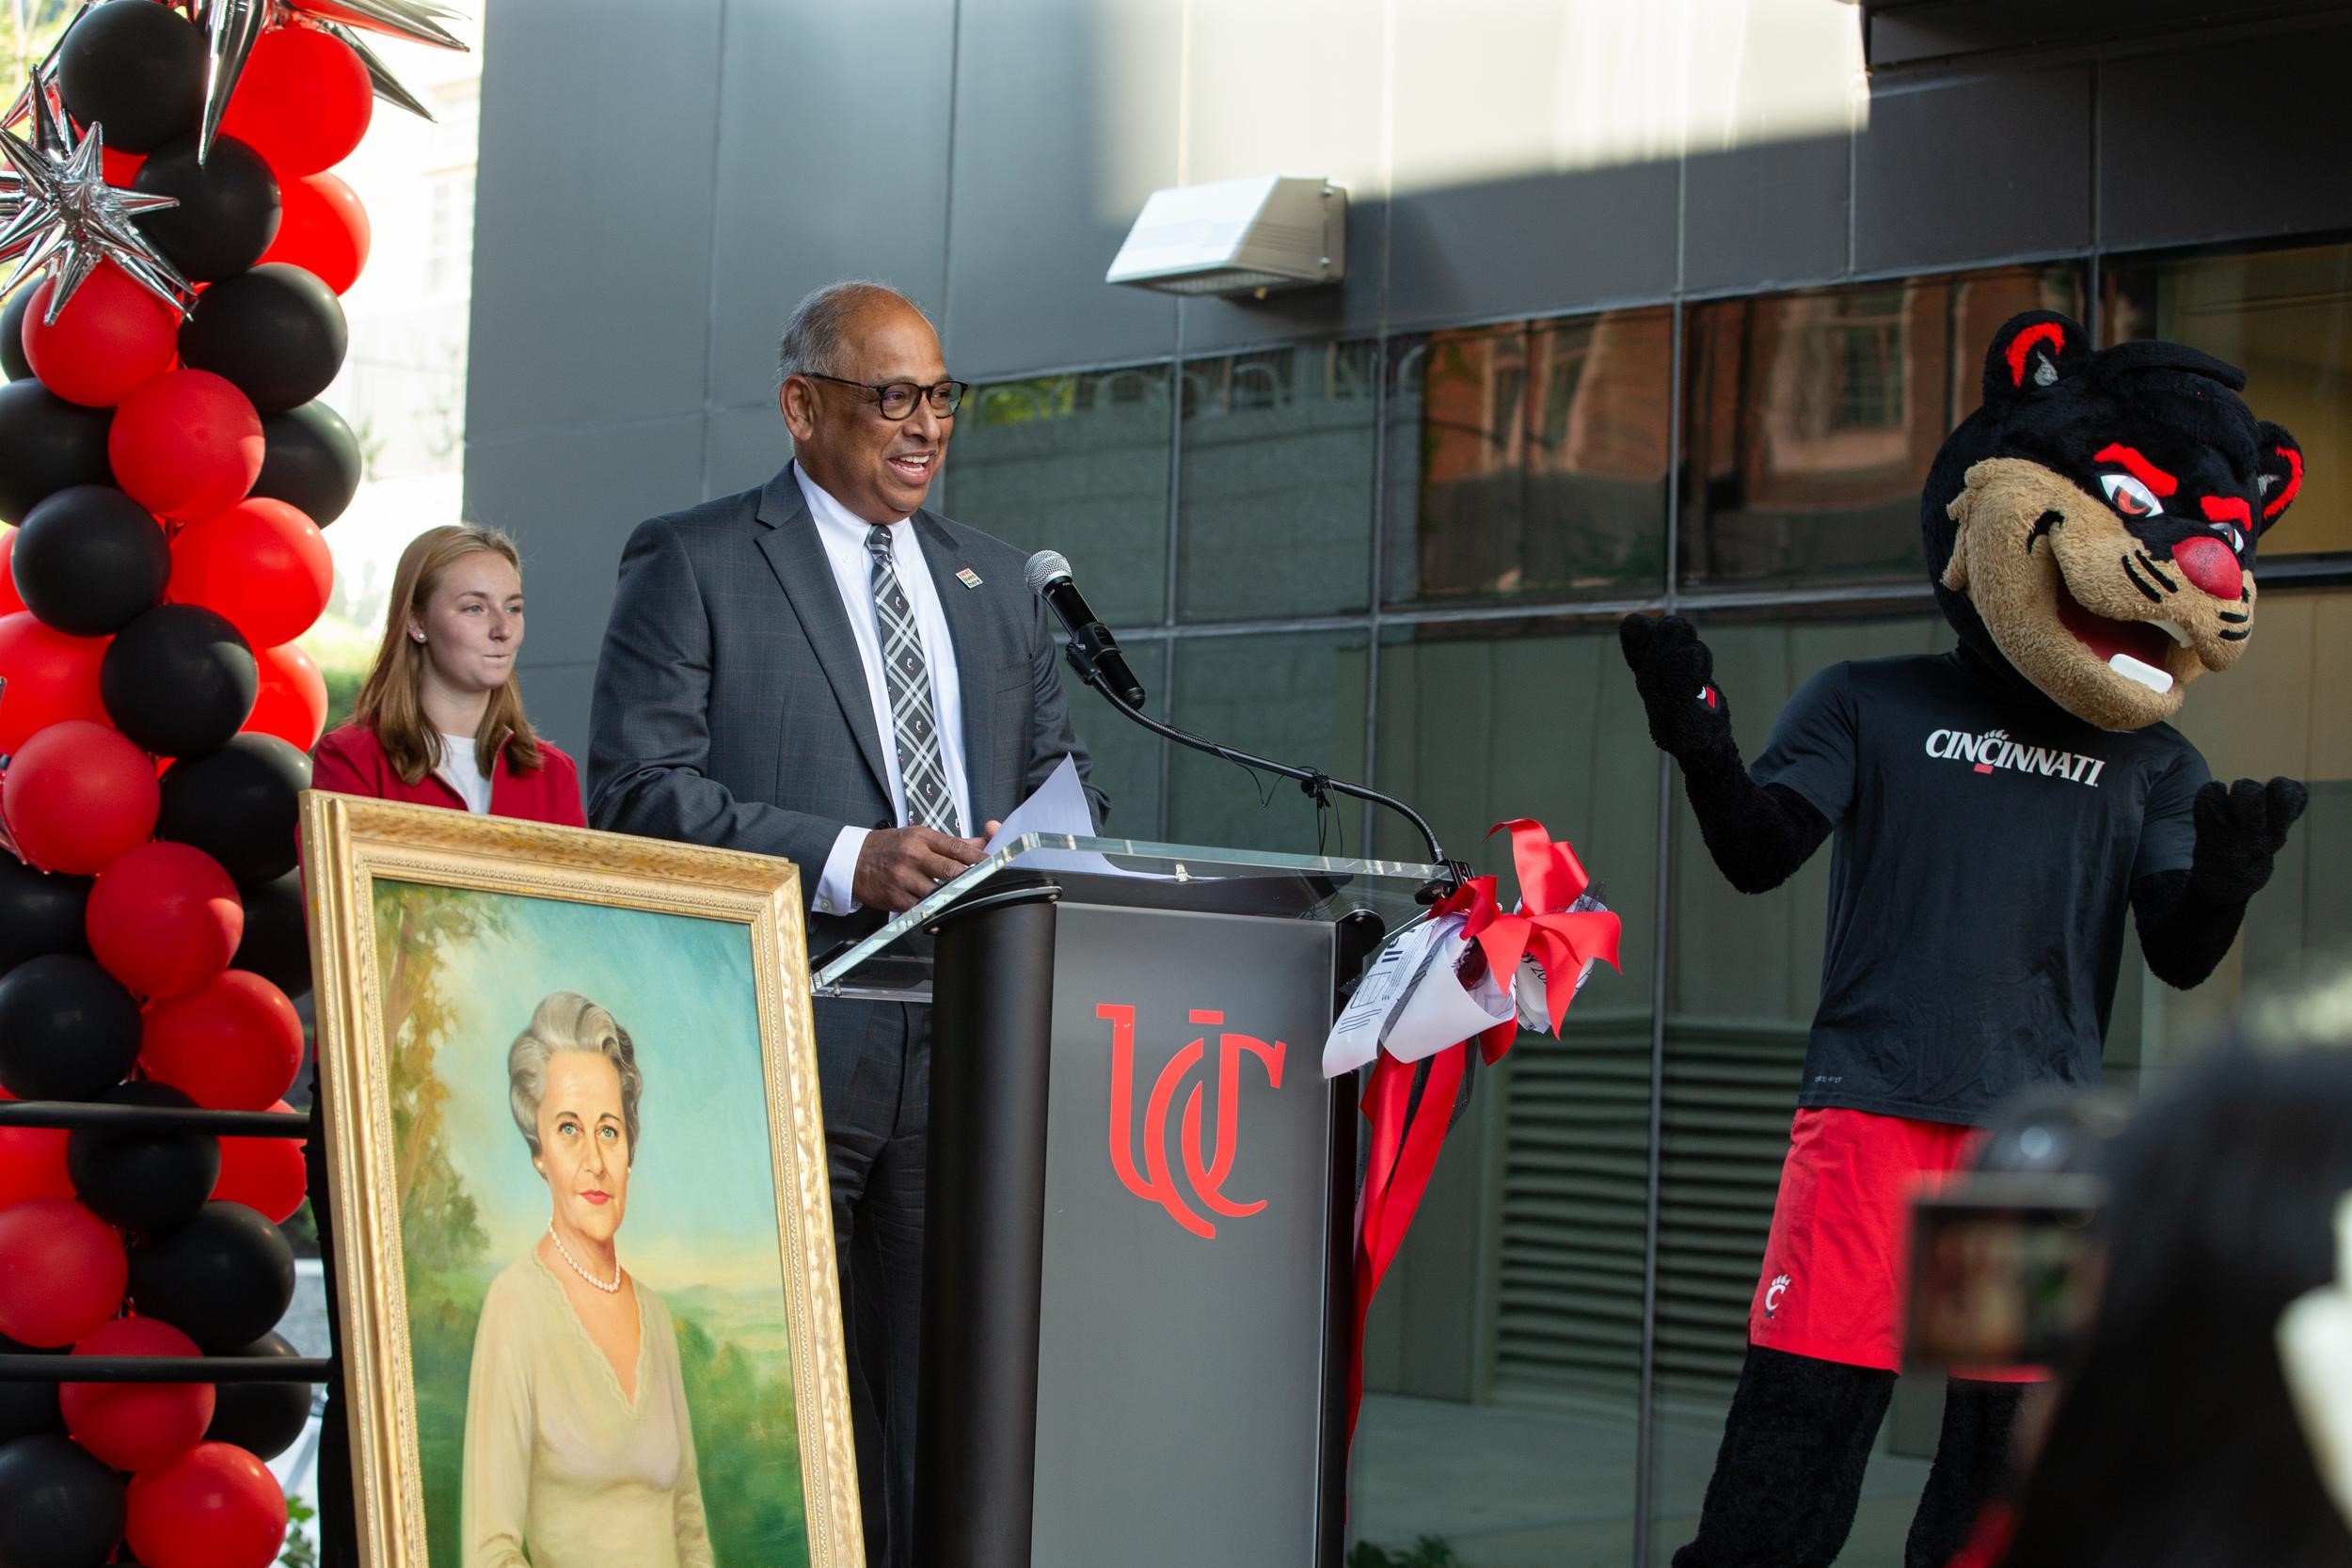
[1838, 1260]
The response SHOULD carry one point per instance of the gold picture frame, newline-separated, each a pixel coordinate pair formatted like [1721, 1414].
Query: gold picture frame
[368, 865]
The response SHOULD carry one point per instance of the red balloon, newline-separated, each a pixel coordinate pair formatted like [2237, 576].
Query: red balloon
[322, 229]
[32, 1161]
[185, 444]
[164, 920]
[233, 1046]
[216, 1506]
[303, 102]
[266, 1175]
[76, 796]
[293, 701]
[111, 336]
[63, 1271]
[51, 677]
[119, 168]
[137, 1426]
[10, 600]
[261, 563]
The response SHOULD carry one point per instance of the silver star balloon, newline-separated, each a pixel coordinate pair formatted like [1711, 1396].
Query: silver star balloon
[232, 27]
[388, 86]
[68, 219]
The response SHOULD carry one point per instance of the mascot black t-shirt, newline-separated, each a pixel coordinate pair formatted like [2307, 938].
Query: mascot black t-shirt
[1974, 953]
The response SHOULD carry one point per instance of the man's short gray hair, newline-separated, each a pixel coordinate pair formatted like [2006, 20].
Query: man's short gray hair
[567, 1021]
[813, 333]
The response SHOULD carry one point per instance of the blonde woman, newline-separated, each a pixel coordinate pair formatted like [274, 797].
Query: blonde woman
[579, 1452]
[440, 721]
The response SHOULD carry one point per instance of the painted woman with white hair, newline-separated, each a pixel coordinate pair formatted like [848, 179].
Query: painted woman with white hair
[580, 1452]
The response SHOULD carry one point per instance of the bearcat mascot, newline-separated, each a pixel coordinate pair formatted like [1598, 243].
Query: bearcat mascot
[2090, 531]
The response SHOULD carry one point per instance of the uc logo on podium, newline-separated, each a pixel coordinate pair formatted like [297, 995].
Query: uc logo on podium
[1204, 1172]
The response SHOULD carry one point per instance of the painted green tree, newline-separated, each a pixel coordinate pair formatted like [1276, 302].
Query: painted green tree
[416, 925]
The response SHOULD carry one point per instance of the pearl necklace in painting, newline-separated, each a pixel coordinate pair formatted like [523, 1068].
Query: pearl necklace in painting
[565, 1253]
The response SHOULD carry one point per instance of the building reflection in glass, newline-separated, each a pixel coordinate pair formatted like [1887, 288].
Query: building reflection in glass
[1530, 461]
[1810, 419]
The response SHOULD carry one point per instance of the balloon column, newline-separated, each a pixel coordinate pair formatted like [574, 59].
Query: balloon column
[178, 245]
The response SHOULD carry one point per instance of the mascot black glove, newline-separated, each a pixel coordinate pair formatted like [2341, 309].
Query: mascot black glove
[2240, 830]
[1674, 673]
[1757, 836]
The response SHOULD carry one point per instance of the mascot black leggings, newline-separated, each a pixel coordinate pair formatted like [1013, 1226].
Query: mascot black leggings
[1796, 1442]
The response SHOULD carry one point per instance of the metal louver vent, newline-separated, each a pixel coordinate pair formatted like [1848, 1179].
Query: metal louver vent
[1574, 1192]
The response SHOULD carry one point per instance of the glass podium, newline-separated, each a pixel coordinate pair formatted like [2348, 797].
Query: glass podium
[1139, 1245]
[887, 966]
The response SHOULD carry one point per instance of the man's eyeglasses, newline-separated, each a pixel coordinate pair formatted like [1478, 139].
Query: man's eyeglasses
[897, 399]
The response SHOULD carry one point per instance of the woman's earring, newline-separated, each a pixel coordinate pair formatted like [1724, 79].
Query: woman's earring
[416, 637]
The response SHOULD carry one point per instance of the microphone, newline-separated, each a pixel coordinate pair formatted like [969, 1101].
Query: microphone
[1092, 649]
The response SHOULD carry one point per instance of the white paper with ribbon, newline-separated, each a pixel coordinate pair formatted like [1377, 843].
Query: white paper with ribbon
[1413, 1002]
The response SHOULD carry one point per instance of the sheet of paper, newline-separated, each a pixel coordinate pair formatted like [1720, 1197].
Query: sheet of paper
[1355, 1039]
[1058, 806]
[1440, 1010]
[1412, 1003]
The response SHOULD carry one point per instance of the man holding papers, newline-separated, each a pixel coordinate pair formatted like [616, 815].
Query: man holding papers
[821, 669]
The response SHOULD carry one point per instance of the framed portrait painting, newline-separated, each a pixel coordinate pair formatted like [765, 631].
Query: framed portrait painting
[581, 1237]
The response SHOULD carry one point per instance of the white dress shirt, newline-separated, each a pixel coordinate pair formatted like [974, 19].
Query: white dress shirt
[844, 534]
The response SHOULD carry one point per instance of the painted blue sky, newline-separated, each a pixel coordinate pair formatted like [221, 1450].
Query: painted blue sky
[702, 1197]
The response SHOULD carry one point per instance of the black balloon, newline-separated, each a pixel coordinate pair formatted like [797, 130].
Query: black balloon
[228, 212]
[262, 1418]
[89, 560]
[136, 68]
[311, 462]
[46, 444]
[144, 1180]
[26, 1408]
[39, 912]
[276, 944]
[68, 1029]
[277, 332]
[238, 804]
[12, 334]
[223, 1279]
[59, 1507]
[179, 680]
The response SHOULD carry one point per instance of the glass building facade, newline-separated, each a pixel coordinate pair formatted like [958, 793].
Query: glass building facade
[1403, 558]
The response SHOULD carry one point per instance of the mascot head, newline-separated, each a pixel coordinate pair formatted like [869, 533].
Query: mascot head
[2094, 523]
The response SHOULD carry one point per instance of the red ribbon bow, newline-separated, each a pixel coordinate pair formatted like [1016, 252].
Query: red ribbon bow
[1408, 1132]
[1562, 940]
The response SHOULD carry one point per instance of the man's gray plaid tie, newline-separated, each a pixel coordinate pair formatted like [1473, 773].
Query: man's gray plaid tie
[929, 803]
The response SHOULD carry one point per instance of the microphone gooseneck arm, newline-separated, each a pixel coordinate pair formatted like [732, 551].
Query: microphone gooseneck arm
[1311, 781]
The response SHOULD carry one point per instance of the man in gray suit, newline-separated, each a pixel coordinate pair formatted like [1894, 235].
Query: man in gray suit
[821, 669]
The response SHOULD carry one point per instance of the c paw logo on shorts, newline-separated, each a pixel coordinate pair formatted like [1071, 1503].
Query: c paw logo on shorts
[1772, 1294]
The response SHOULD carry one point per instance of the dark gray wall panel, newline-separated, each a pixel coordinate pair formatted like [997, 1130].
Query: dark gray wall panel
[1972, 172]
[556, 697]
[570, 498]
[1045, 189]
[743, 447]
[1546, 243]
[820, 176]
[2252, 139]
[592, 227]
[1771, 212]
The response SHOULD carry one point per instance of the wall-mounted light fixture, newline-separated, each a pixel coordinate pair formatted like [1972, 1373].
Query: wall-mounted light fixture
[1237, 237]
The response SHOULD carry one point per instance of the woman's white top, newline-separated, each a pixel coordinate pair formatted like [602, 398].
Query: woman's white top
[464, 773]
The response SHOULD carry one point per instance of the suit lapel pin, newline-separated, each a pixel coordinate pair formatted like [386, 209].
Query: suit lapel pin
[967, 577]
